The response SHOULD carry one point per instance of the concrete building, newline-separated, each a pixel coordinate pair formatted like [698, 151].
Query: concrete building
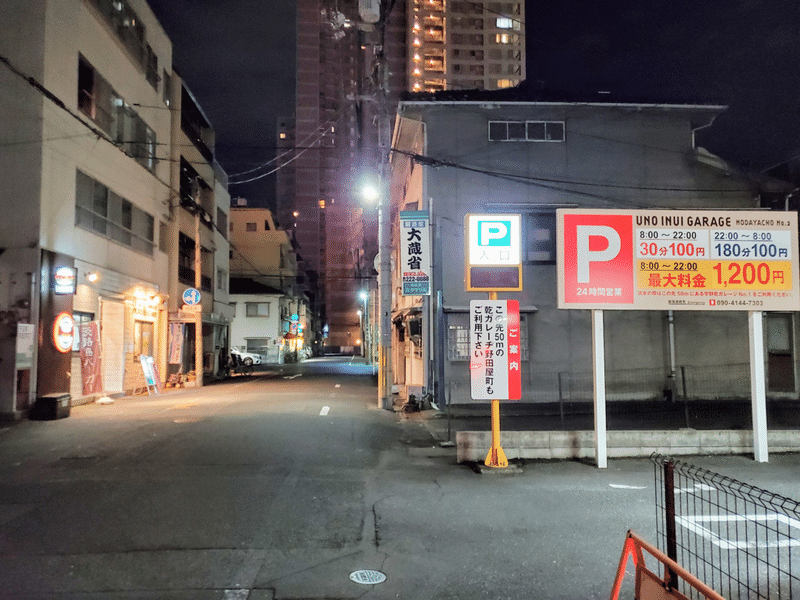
[86, 163]
[258, 319]
[462, 45]
[265, 255]
[198, 215]
[497, 152]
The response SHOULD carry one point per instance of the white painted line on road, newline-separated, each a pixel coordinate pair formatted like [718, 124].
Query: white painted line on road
[292, 376]
[698, 487]
[325, 410]
[236, 594]
[622, 486]
[693, 524]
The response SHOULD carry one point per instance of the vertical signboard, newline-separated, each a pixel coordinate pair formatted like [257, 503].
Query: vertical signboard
[677, 260]
[91, 373]
[495, 350]
[416, 253]
[176, 343]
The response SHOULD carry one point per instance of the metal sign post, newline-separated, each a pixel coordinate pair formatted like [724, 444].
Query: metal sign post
[599, 372]
[758, 391]
[492, 263]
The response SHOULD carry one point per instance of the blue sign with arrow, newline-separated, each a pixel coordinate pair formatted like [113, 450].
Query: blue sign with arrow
[191, 296]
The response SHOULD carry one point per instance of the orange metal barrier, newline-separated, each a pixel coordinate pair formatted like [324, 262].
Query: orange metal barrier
[649, 586]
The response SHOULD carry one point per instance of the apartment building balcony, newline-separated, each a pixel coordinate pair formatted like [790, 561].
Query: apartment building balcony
[186, 277]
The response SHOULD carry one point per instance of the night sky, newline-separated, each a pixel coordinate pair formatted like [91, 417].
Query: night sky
[237, 57]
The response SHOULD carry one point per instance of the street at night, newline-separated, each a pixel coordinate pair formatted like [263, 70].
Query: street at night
[282, 484]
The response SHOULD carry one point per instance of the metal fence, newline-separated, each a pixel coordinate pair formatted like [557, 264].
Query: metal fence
[742, 541]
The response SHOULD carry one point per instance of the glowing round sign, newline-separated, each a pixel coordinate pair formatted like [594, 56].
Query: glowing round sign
[63, 332]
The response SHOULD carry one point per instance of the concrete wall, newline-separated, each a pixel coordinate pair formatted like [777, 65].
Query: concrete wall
[473, 446]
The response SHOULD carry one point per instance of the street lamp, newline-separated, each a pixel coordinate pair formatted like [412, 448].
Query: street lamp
[380, 196]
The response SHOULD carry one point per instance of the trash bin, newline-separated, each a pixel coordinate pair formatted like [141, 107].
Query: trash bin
[51, 406]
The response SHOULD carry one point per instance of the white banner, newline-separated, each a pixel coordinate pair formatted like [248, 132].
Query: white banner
[495, 363]
[416, 253]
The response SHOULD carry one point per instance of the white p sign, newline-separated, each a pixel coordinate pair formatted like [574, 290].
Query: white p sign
[587, 256]
[493, 233]
[494, 239]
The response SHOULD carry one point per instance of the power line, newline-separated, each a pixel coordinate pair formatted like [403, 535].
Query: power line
[434, 162]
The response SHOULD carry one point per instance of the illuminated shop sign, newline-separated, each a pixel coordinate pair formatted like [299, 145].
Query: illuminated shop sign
[64, 280]
[63, 332]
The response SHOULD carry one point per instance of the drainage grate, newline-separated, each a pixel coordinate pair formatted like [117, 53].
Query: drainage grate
[367, 577]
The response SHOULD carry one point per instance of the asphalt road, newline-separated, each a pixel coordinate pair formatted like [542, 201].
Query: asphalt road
[282, 484]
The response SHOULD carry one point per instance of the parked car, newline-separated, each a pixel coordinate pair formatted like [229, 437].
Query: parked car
[246, 358]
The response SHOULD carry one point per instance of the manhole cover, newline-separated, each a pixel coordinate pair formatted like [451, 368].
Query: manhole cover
[367, 577]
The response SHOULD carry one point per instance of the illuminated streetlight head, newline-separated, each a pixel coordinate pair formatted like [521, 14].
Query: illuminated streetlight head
[370, 192]
[363, 295]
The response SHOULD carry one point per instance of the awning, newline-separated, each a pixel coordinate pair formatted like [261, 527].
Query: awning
[399, 314]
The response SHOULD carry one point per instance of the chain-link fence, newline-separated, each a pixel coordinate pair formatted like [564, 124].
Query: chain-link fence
[742, 541]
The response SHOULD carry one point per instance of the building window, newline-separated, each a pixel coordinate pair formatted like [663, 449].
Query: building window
[540, 238]
[257, 345]
[222, 222]
[143, 338]
[256, 309]
[98, 101]
[166, 90]
[530, 131]
[124, 21]
[222, 280]
[163, 237]
[266, 225]
[100, 210]
[458, 337]
[151, 68]
[251, 227]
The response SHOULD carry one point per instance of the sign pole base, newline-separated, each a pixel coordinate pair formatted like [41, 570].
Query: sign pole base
[496, 457]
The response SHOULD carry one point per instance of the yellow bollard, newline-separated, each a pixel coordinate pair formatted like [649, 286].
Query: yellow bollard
[496, 457]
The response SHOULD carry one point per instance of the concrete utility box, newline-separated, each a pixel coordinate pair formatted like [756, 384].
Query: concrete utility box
[51, 407]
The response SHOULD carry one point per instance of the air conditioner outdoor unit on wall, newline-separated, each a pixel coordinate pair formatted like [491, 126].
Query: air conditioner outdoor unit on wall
[369, 10]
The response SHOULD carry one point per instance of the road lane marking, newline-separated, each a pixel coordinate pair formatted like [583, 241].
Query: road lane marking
[338, 385]
[694, 523]
[292, 376]
[325, 410]
[621, 486]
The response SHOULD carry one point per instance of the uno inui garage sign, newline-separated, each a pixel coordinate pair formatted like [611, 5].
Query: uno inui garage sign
[677, 260]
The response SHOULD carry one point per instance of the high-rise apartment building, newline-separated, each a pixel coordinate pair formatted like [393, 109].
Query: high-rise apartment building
[331, 144]
[465, 45]
[320, 158]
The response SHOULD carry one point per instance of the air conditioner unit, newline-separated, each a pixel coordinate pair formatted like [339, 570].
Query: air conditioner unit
[369, 10]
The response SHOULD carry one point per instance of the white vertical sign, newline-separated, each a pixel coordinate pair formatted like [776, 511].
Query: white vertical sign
[495, 363]
[416, 249]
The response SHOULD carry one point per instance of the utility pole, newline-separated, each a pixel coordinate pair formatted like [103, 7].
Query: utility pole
[376, 12]
[384, 224]
[198, 283]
